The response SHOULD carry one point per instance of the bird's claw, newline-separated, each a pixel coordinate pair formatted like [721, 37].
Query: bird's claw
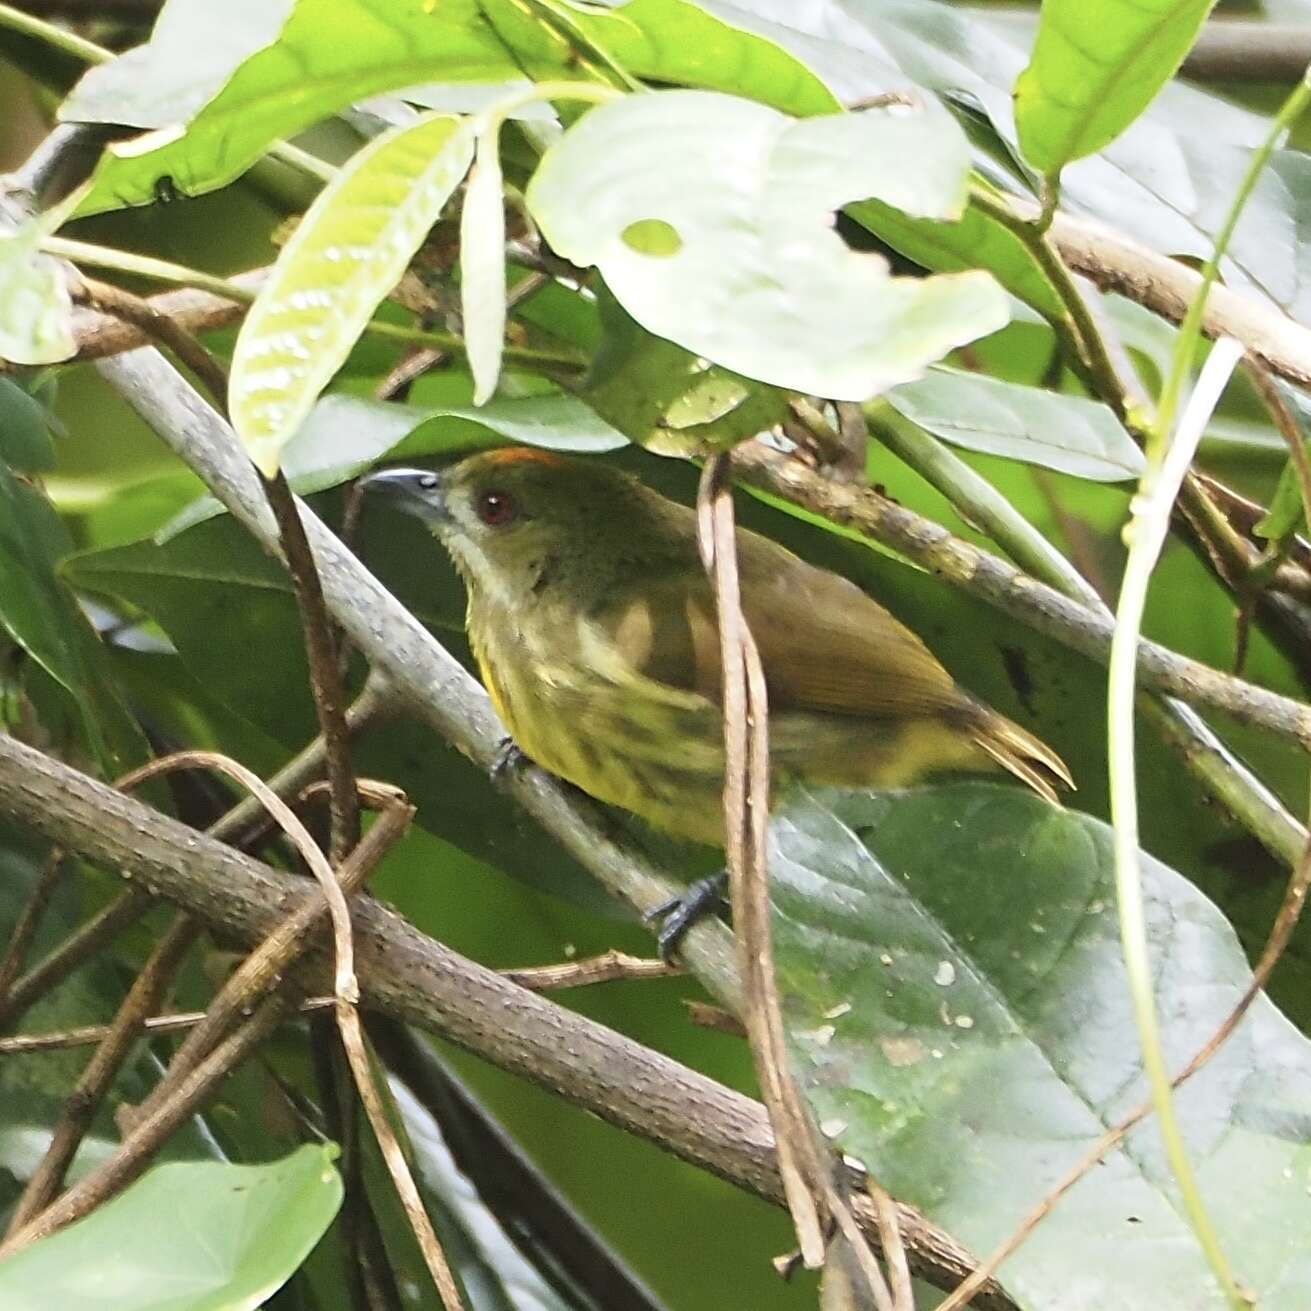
[508, 757]
[678, 914]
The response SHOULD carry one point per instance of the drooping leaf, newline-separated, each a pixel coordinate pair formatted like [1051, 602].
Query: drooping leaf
[482, 264]
[960, 1019]
[188, 1236]
[39, 612]
[1095, 68]
[35, 310]
[329, 54]
[345, 435]
[723, 242]
[347, 254]
[1066, 433]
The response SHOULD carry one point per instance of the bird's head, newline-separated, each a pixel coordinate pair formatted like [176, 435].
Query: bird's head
[517, 519]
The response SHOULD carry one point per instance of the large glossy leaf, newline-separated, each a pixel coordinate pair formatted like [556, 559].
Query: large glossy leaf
[1066, 433]
[959, 1015]
[193, 1236]
[39, 612]
[35, 310]
[347, 254]
[1095, 68]
[329, 54]
[724, 243]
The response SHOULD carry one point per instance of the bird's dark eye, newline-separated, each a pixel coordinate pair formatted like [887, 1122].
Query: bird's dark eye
[496, 509]
[428, 481]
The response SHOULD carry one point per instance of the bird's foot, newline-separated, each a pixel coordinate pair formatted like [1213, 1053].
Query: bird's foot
[507, 759]
[678, 914]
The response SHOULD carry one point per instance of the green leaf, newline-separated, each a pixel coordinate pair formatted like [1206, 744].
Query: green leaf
[758, 280]
[482, 264]
[347, 254]
[194, 49]
[25, 443]
[1095, 68]
[1287, 514]
[39, 612]
[189, 1236]
[959, 1016]
[345, 435]
[330, 53]
[1067, 433]
[35, 309]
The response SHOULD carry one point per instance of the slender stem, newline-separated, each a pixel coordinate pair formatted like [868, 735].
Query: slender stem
[53, 35]
[1185, 346]
[1147, 533]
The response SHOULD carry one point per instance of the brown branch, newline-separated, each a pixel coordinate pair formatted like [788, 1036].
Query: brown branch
[29, 920]
[609, 967]
[407, 975]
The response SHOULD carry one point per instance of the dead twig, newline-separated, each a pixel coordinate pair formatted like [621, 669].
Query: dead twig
[29, 920]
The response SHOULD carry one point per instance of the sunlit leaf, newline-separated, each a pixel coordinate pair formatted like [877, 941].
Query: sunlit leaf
[188, 1236]
[347, 254]
[1095, 68]
[960, 1017]
[751, 273]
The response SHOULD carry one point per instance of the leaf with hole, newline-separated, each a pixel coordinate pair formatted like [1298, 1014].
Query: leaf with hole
[1067, 433]
[747, 269]
[959, 1015]
[188, 1236]
[347, 254]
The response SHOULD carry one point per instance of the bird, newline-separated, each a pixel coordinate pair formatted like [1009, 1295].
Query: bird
[594, 629]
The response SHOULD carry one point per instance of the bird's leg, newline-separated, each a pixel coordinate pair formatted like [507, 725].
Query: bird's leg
[678, 914]
[508, 757]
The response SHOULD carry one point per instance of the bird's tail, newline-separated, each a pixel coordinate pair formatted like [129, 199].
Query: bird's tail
[1017, 751]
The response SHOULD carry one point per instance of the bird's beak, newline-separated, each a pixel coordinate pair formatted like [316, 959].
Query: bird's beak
[416, 491]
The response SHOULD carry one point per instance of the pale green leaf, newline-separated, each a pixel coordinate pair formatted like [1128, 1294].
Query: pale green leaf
[188, 1236]
[347, 254]
[751, 273]
[1067, 433]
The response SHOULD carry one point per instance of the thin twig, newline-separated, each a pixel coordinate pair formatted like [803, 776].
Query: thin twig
[609, 967]
[29, 920]
[804, 1163]
[80, 1107]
